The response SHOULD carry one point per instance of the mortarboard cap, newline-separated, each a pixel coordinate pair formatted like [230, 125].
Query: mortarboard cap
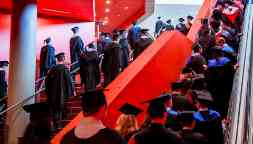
[159, 17]
[129, 109]
[162, 98]
[38, 110]
[144, 30]
[181, 19]
[4, 63]
[169, 21]
[74, 29]
[187, 70]
[48, 40]
[60, 55]
[186, 117]
[190, 17]
[177, 85]
[203, 96]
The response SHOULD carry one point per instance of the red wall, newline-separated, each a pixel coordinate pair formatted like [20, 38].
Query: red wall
[58, 29]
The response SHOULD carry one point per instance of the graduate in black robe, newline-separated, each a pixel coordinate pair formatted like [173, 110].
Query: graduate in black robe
[91, 129]
[159, 26]
[3, 83]
[47, 57]
[156, 133]
[187, 121]
[39, 130]
[124, 49]
[89, 68]
[59, 87]
[111, 61]
[144, 42]
[76, 49]
[181, 26]
[208, 121]
[169, 26]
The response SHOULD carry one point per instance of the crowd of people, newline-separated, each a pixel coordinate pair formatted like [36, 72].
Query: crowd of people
[182, 26]
[194, 112]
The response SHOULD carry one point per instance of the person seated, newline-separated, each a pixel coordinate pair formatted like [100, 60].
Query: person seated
[156, 132]
[127, 124]
[187, 132]
[39, 130]
[218, 58]
[208, 121]
[91, 129]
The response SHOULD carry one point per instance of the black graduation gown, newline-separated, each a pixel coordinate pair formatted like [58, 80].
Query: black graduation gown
[89, 70]
[111, 63]
[47, 59]
[209, 124]
[141, 45]
[76, 49]
[58, 86]
[220, 83]
[157, 134]
[124, 52]
[190, 137]
[104, 136]
[3, 84]
[159, 26]
[169, 27]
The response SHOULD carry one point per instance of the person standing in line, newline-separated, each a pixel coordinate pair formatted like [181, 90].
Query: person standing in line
[169, 26]
[47, 57]
[189, 22]
[76, 49]
[111, 61]
[125, 49]
[159, 26]
[181, 26]
[59, 87]
[134, 35]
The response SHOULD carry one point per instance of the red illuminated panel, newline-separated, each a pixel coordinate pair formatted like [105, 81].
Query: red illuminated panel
[120, 13]
[81, 10]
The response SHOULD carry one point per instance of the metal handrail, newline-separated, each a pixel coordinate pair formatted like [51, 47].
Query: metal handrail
[41, 89]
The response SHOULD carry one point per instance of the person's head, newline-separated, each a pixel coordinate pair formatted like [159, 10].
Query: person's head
[115, 37]
[47, 40]
[203, 98]
[126, 124]
[75, 29]
[169, 21]
[60, 57]
[190, 18]
[134, 23]
[177, 87]
[186, 119]
[220, 41]
[4, 65]
[197, 48]
[94, 104]
[181, 20]
[157, 111]
[159, 18]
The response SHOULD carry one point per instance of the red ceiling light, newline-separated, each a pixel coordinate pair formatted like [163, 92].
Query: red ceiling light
[126, 8]
[108, 2]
